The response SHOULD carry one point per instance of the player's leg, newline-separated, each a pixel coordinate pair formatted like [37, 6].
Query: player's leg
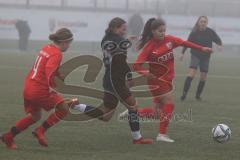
[104, 112]
[166, 112]
[191, 74]
[61, 111]
[21, 125]
[145, 112]
[204, 66]
[133, 121]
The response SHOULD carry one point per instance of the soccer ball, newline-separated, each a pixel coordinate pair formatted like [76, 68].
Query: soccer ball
[221, 133]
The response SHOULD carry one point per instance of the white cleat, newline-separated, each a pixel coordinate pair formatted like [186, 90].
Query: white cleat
[123, 115]
[164, 138]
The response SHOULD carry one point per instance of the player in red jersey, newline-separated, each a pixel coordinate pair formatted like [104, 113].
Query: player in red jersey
[157, 49]
[37, 90]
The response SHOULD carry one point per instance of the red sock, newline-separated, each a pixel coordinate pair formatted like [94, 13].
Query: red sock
[145, 112]
[54, 118]
[165, 117]
[21, 125]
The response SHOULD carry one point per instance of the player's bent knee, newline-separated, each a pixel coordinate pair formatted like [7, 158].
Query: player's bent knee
[62, 106]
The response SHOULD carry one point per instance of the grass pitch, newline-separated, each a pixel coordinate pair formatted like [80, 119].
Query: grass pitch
[97, 140]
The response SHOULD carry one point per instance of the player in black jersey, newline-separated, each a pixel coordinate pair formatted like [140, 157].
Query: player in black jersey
[114, 46]
[205, 36]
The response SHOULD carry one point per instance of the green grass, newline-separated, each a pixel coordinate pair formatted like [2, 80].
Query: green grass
[106, 141]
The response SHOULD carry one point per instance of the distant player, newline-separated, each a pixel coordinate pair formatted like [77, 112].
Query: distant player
[157, 49]
[37, 90]
[114, 47]
[202, 35]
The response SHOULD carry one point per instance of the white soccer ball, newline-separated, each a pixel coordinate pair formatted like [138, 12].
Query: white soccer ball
[221, 133]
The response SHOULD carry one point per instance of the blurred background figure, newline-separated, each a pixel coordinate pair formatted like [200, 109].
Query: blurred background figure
[135, 26]
[24, 32]
[205, 36]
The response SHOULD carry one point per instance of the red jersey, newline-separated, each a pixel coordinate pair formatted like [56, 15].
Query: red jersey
[159, 55]
[41, 77]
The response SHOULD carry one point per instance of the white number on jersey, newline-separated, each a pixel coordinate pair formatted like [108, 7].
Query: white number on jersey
[36, 65]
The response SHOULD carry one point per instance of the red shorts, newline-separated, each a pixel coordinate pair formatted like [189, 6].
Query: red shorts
[159, 87]
[47, 103]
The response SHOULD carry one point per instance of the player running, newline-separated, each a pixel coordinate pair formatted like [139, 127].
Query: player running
[157, 49]
[203, 35]
[114, 47]
[37, 90]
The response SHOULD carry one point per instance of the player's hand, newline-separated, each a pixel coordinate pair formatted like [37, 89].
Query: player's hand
[207, 50]
[181, 57]
[60, 76]
[220, 48]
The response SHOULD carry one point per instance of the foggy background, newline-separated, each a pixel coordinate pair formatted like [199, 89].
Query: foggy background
[88, 20]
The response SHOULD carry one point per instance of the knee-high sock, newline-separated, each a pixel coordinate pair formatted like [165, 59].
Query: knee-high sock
[91, 111]
[54, 118]
[165, 117]
[133, 120]
[201, 85]
[187, 85]
[22, 124]
[145, 112]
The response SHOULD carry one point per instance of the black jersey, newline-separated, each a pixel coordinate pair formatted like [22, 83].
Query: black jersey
[114, 49]
[204, 38]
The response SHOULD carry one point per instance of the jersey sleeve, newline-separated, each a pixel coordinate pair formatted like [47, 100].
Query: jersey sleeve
[188, 44]
[190, 39]
[216, 39]
[51, 69]
[142, 58]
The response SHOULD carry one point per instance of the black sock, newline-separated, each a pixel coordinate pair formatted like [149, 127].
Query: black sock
[93, 112]
[14, 131]
[133, 120]
[187, 85]
[201, 85]
[45, 125]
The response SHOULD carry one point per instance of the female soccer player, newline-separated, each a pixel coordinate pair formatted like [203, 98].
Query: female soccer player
[114, 47]
[37, 90]
[202, 35]
[157, 49]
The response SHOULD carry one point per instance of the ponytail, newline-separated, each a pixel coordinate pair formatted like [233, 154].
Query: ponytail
[146, 34]
[151, 24]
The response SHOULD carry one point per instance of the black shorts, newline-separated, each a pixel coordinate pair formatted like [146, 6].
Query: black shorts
[115, 90]
[200, 61]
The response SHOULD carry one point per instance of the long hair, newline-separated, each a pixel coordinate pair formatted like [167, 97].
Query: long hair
[196, 26]
[151, 24]
[113, 24]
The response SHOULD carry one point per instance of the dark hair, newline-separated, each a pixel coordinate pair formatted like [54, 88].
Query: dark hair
[61, 35]
[196, 26]
[151, 24]
[114, 23]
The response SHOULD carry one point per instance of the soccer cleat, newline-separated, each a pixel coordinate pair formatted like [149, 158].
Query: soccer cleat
[164, 138]
[143, 141]
[123, 115]
[8, 140]
[39, 134]
[183, 97]
[198, 98]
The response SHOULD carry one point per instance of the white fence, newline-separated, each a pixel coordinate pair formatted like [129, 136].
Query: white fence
[90, 26]
[178, 7]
